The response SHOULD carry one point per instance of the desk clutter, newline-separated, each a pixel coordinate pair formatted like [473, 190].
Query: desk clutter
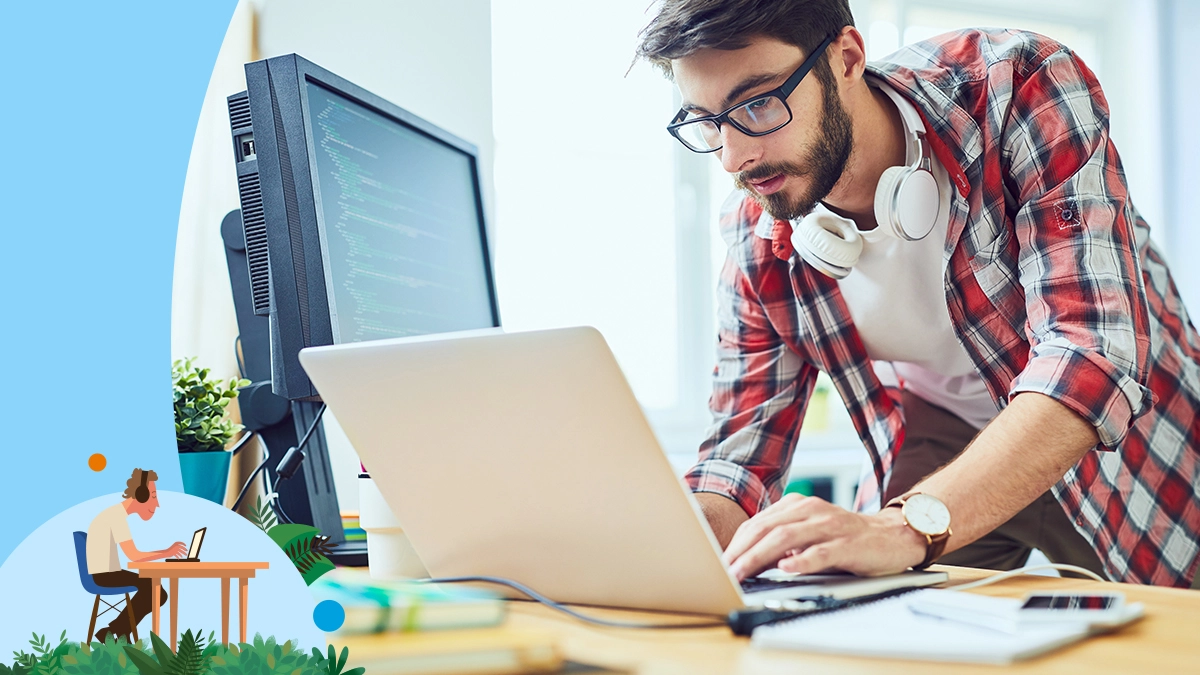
[395, 626]
[378, 606]
[933, 625]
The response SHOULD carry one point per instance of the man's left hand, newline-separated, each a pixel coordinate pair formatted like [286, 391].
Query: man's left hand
[807, 535]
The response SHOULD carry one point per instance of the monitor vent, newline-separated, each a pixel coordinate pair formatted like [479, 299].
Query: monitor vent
[239, 111]
[254, 223]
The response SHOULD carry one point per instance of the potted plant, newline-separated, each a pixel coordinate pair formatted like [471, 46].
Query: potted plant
[202, 429]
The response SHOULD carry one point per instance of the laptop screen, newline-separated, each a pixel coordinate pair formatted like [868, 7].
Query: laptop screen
[197, 539]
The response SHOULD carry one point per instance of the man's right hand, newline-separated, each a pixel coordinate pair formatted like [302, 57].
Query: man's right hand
[176, 550]
[723, 514]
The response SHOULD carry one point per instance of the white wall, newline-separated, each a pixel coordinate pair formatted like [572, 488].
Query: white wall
[433, 59]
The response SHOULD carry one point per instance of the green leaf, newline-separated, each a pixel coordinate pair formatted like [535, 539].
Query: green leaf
[161, 651]
[145, 664]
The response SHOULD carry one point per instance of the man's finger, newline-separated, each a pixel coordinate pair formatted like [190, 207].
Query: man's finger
[823, 557]
[784, 511]
[776, 544]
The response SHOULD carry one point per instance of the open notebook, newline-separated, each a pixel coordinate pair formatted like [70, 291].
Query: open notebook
[889, 629]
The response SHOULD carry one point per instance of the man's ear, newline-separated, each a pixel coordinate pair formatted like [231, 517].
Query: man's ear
[848, 55]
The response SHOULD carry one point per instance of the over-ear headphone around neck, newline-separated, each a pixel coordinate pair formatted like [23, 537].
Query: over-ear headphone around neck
[142, 492]
[907, 200]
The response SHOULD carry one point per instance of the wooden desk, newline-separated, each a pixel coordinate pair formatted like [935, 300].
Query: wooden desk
[242, 571]
[1166, 641]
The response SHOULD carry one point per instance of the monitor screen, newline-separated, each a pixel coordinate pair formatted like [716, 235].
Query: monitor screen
[400, 225]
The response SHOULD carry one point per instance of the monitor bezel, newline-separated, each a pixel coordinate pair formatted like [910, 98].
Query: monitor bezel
[306, 72]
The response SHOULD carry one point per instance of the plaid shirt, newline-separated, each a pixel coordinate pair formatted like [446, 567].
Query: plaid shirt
[1052, 285]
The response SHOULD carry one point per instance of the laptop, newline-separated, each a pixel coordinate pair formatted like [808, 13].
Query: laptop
[526, 456]
[193, 550]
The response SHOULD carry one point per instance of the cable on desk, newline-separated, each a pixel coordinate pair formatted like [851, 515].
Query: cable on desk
[521, 588]
[986, 581]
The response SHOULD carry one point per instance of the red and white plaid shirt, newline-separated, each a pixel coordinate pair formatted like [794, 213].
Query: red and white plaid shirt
[1052, 285]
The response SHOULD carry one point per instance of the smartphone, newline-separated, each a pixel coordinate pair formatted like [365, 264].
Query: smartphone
[1092, 608]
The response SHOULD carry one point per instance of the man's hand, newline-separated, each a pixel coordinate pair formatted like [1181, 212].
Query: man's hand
[807, 535]
[176, 550]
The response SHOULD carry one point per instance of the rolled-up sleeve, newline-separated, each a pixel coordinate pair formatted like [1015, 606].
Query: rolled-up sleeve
[760, 390]
[1088, 319]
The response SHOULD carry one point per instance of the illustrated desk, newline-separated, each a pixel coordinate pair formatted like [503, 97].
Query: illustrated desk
[1166, 641]
[225, 571]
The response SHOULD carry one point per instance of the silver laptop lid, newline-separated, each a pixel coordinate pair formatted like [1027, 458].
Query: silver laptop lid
[525, 456]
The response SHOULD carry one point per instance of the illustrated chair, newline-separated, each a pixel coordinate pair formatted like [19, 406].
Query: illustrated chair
[90, 586]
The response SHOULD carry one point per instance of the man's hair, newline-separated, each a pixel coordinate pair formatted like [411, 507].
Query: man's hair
[683, 27]
[135, 481]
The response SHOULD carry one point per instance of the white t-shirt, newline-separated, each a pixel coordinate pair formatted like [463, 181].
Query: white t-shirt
[897, 299]
[107, 531]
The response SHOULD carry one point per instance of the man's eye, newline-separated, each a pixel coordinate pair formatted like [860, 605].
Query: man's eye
[759, 104]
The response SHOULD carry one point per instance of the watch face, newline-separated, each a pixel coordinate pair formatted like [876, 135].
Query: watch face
[926, 514]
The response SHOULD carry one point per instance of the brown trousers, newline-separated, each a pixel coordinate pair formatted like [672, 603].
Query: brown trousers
[933, 437]
[120, 626]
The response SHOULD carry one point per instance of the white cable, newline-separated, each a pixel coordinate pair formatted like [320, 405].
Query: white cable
[1012, 573]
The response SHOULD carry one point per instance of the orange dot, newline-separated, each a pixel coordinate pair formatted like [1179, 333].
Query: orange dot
[97, 462]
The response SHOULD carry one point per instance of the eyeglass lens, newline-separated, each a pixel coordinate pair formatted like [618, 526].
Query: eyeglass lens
[760, 116]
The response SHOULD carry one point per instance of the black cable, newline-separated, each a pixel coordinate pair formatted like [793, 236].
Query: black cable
[287, 458]
[517, 586]
[274, 500]
[246, 486]
[237, 355]
[241, 441]
[311, 427]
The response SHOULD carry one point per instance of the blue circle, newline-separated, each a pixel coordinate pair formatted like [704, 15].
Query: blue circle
[329, 615]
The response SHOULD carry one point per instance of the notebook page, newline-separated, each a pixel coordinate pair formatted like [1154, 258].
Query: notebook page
[889, 629]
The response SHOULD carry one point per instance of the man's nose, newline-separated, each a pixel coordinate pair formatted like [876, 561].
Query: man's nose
[738, 151]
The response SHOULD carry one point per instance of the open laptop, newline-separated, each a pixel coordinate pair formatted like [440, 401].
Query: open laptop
[193, 550]
[526, 456]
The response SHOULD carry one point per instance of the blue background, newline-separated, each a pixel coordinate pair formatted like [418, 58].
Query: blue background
[99, 108]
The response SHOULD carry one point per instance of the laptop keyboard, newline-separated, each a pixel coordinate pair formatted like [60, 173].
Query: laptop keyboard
[759, 584]
[755, 584]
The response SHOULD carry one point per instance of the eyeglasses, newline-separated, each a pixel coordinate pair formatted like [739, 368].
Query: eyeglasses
[758, 116]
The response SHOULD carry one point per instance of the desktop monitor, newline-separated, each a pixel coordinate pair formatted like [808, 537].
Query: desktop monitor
[362, 221]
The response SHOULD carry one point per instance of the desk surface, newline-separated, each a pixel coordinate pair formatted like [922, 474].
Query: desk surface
[198, 569]
[1166, 641]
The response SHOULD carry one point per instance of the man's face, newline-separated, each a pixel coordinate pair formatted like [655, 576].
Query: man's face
[787, 171]
[146, 511]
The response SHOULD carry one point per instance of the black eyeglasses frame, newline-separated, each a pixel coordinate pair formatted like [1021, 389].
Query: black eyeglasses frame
[782, 93]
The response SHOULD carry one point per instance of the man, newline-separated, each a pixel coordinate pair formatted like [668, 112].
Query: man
[110, 530]
[1004, 283]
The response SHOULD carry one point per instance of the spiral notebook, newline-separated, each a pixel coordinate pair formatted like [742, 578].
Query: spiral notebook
[889, 629]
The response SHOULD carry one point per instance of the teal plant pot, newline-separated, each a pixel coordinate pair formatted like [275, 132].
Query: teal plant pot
[205, 474]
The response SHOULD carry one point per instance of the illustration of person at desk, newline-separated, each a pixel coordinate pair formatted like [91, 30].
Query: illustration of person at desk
[109, 530]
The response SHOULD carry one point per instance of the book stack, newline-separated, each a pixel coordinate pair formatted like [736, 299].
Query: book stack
[352, 527]
[376, 606]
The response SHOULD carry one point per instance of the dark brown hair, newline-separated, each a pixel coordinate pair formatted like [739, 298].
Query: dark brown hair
[683, 27]
[135, 481]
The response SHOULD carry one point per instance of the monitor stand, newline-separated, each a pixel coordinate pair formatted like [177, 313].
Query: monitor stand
[309, 496]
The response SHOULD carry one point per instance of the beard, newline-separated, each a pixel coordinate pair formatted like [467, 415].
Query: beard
[823, 164]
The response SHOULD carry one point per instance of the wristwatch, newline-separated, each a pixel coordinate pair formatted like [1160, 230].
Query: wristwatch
[927, 516]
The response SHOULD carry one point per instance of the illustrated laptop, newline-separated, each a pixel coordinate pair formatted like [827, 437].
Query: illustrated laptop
[193, 550]
[526, 456]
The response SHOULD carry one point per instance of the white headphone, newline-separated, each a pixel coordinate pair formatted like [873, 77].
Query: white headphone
[906, 207]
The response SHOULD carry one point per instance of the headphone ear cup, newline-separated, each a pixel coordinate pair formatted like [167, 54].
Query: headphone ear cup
[829, 243]
[885, 197]
[142, 493]
[907, 202]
